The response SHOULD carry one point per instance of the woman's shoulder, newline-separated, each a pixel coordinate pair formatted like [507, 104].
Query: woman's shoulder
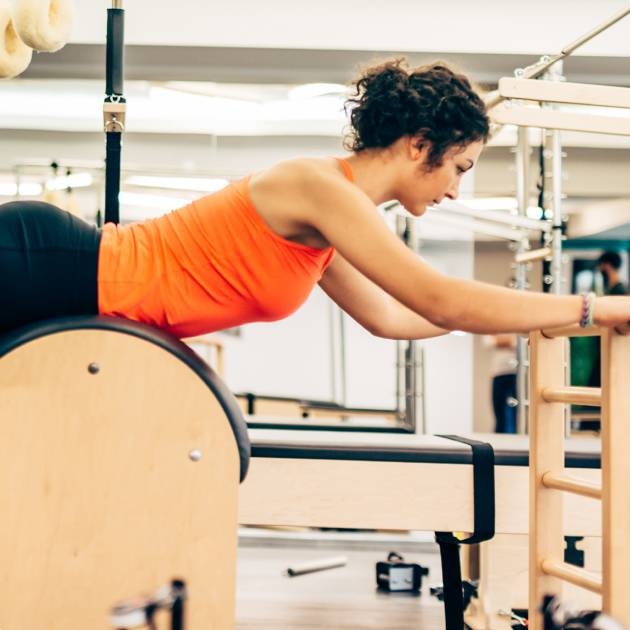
[300, 172]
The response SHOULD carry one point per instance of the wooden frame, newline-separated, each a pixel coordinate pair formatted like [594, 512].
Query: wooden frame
[564, 92]
[507, 114]
[549, 394]
[374, 493]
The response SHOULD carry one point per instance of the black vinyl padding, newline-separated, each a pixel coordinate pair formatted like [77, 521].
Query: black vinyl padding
[164, 340]
[411, 454]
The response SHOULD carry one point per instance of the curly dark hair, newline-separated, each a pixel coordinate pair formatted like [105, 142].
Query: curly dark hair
[432, 102]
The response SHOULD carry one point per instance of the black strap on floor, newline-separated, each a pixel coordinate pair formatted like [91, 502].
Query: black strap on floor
[484, 517]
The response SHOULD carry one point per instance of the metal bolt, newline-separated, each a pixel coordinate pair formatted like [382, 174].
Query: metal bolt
[94, 368]
[194, 455]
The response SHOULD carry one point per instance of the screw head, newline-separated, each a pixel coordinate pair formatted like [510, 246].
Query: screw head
[94, 368]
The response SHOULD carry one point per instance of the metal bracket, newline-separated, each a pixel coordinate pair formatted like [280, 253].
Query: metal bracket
[114, 116]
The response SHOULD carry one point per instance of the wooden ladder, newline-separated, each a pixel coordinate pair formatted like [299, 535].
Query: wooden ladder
[548, 478]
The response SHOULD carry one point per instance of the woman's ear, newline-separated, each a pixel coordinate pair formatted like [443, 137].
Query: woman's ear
[417, 148]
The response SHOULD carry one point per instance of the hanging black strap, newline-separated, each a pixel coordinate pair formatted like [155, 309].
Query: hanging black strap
[114, 108]
[484, 522]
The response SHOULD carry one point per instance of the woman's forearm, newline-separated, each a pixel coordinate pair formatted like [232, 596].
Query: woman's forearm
[403, 323]
[484, 308]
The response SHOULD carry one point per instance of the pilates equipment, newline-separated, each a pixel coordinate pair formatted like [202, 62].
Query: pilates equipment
[121, 454]
[424, 482]
[15, 55]
[547, 61]
[44, 25]
[397, 482]
[547, 93]
[550, 395]
[27, 25]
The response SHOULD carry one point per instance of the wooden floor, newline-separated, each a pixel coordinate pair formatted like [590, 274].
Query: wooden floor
[342, 598]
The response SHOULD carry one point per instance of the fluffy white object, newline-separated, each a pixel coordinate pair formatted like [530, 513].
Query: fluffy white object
[15, 55]
[44, 25]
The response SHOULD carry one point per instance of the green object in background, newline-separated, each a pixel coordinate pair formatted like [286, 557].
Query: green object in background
[584, 361]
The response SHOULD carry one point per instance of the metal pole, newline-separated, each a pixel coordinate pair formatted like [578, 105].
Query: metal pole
[556, 198]
[522, 346]
[406, 351]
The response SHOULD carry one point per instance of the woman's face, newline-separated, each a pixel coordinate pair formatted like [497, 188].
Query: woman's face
[427, 188]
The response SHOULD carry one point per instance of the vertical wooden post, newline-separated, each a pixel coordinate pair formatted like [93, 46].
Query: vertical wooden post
[615, 359]
[546, 454]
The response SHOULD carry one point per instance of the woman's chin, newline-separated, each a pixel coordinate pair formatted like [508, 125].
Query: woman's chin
[418, 210]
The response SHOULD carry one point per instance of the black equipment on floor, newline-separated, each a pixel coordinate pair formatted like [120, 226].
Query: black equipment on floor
[397, 575]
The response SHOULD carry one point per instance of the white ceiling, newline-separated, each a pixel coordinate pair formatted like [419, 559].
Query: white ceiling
[484, 26]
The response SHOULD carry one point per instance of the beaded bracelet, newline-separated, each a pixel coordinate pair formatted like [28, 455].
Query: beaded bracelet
[588, 309]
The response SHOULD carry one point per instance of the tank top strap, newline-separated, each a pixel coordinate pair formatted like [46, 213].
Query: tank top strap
[346, 168]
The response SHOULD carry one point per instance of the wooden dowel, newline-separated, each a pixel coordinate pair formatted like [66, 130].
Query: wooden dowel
[534, 254]
[591, 396]
[572, 331]
[572, 484]
[573, 574]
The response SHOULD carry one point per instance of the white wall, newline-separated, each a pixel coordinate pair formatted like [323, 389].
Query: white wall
[288, 358]
[448, 360]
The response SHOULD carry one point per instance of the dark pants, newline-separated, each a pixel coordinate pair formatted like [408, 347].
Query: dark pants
[504, 389]
[48, 264]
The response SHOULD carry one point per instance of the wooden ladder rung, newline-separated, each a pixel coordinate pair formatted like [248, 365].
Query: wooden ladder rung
[591, 396]
[572, 331]
[572, 484]
[573, 574]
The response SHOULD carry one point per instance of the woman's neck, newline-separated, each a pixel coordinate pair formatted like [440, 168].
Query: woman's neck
[374, 172]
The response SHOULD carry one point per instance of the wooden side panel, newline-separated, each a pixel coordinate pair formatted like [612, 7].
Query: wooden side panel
[99, 498]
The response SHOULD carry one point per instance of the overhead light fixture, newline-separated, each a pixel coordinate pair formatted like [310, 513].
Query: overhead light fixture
[197, 184]
[492, 203]
[156, 202]
[314, 90]
[75, 180]
[26, 190]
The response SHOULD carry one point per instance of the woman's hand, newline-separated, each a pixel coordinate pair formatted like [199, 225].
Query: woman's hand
[612, 310]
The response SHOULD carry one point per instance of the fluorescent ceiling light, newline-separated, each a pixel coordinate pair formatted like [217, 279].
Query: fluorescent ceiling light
[492, 203]
[313, 90]
[506, 204]
[26, 190]
[197, 184]
[76, 180]
[151, 201]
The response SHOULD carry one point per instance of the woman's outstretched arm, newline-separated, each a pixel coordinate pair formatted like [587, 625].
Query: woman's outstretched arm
[371, 307]
[348, 219]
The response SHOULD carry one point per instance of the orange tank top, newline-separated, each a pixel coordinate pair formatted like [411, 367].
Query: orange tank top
[210, 265]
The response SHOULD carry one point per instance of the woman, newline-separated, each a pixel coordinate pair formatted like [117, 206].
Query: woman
[254, 251]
